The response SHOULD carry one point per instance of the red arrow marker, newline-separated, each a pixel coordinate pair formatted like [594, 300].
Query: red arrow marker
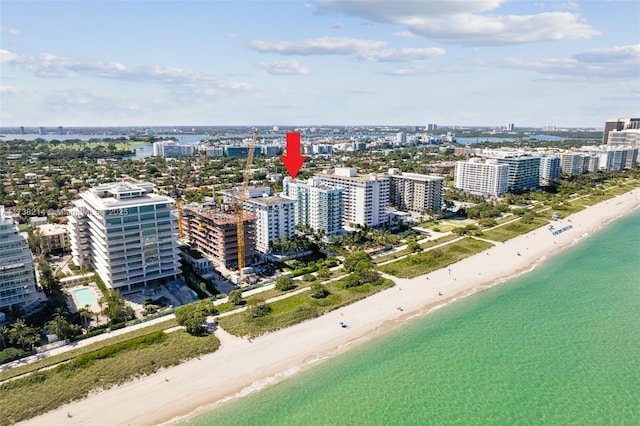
[293, 160]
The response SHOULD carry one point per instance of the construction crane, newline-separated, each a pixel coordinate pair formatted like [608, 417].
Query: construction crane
[240, 206]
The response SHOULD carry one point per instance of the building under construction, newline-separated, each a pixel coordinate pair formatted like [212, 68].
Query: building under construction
[213, 231]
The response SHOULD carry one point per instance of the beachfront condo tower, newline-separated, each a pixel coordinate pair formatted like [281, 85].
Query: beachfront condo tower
[127, 234]
[487, 178]
[365, 198]
[17, 278]
[524, 171]
[275, 214]
[412, 192]
[316, 205]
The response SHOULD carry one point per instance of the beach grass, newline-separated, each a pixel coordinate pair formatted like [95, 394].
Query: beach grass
[46, 390]
[405, 252]
[66, 356]
[428, 261]
[565, 209]
[511, 230]
[300, 307]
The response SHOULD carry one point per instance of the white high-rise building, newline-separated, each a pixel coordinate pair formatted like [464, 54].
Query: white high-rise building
[316, 205]
[275, 215]
[549, 169]
[415, 192]
[486, 178]
[126, 233]
[172, 149]
[17, 278]
[365, 198]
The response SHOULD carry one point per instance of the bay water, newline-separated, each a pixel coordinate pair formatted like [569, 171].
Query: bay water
[558, 345]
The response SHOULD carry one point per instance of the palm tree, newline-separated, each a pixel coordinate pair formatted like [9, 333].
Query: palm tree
[85, 314]
[60, 327]
[23, 335]
[4, 333]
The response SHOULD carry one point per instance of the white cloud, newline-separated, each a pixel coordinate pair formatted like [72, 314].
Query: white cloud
[384, 11]
[9, 31]
[613, 62]
[10, 90]
[52, 66]
[283, 68]
[420, 70]
[404, 34]
[465, 22]
[317, 46]
[361, 49]
[401, 55]
[611, 54]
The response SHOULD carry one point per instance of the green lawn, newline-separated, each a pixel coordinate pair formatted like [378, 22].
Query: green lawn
[425, 245]
[506, 232]
[298, 308]
[425, 262]
[564, 210]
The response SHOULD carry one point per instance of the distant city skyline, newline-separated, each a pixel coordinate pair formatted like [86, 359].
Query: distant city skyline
[319, 62]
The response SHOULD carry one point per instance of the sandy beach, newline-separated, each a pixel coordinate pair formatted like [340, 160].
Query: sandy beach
[241, 366]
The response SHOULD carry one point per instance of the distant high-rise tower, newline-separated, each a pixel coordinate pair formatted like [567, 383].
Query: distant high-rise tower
[60, 130]
[41, 130]
[22, 130]
[618, 124]
[432, 126]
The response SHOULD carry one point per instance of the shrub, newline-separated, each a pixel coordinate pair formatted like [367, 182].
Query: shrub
[193, 316]
[351, 260]
[11, 354]
[413, 246]
[285, 283]
[309, 278]
[235, 297]
[318, 291]
[258, 310]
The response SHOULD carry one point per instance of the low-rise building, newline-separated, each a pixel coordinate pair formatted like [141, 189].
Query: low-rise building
[55, 238]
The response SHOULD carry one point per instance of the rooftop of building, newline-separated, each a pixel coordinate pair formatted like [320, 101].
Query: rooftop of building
[51, 229]
[218, 215]
[415, 176]
[123, 194]
[351, 174]
[314, 182]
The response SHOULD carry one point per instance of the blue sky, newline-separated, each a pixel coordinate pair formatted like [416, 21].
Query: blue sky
[322, 62]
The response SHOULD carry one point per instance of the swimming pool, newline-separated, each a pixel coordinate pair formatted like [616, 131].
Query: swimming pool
[84, 297]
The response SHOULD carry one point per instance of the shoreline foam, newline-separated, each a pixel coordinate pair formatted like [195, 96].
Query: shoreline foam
[240, 367]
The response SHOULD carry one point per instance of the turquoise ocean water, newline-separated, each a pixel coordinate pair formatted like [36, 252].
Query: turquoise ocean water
[559, 345]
